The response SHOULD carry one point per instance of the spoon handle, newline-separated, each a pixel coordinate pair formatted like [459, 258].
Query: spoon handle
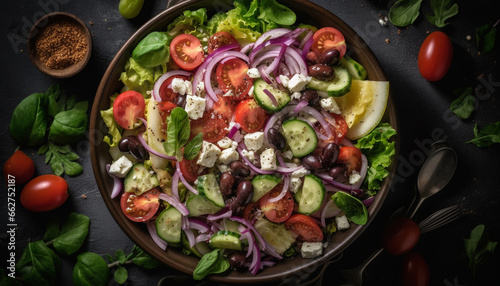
[415, 205]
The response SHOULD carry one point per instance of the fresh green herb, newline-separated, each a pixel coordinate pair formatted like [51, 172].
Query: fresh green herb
[153, 50]
[114, 129]
[139, 78]
[53, 94]
[121, 275]
[211, 263]
[443, 9]
[290, 252]
[464, 105]
[276, 12]
[487, 136]
[38, 264]
[142, 259]
[61, 159]
[178, 132]
[29, 120]
[330, 229]
[478, 247]
[404, 12]
[68, 127]
[485, 37]
[137, 257]
[353, 208]
[90, 270]
[193, 147]
[68, 235]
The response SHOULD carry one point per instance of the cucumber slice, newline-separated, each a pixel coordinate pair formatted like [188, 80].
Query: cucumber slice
[312, 195]
[199, 249]
[232, 226]
[275, 234]
[262, 184]
[355, 69]
[300, 136]
[168, 225]
[262, 99]
[225, 240]
[208, 186]
[199, 205]
[140, 180]
[339, 86]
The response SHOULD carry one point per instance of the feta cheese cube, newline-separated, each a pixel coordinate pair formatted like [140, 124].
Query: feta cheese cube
[223, 168]
[296, 95]
[181, 86]
[254, 141]
[250, 92]
[342, 222]
[288, 154]
[295, 184]
[225, 143]
[234, 145]
[228, 155]
[253, 73]
[311, 249]
[297, 82]
[195, 106]
[354, 177]
[300, 173]
[268, 160]
[121, 167]
[209, 154]
[329, 104]
[284, 80]
[250, 155]
[200, 88]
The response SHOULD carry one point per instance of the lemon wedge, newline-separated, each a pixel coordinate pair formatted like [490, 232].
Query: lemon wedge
[363, 106]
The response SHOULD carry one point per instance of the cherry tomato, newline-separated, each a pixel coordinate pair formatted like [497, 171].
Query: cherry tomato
[401, 235]
[189, 169]
[211, 125]
[232, 76]
[186, 51]
[128, 106]
[415, 270]
[339, 129]
[220, 39]
[142, 207]
[44, 193]
[252, 212]
[351, 156]
[328, 38]
[166, 108]
[250, 115]
[19, 167]
[277, 211]
[166, 91]
[435, 56]
[305, 227]
[224, 108]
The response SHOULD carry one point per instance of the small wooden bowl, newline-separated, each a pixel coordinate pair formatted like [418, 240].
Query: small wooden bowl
[35, 57]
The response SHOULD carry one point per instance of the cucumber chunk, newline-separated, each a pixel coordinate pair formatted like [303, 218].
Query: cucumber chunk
[225, 240]
[140, 180]
[312, 194]
[300, 136]
[199, 249]
[355, 69]
[339, 86]
[168, 225]
[262, 99]
[208, 186]
[275, 234]
[262, 184]
[199, 205]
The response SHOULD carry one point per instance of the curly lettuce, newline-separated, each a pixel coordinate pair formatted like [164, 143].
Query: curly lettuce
[140, 78]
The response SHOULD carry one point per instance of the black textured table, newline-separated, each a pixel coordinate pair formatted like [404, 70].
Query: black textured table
[422, 107]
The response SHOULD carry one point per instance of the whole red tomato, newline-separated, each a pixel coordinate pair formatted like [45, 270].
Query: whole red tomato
[19, 166]
[415, 271]
[435, 56]
[401, 235]
[44, 193]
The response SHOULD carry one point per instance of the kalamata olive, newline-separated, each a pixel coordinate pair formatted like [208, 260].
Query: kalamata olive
[311, 96]
[312, 57]
[239, 169]
[180, 100]
[226, 184]
[329, 57]
[133, 146]
[339, 173]
[322, 72]
[244, 192]
[234, 206]
[330, 154]
[312, 162]
[276, 139]
[237, 259]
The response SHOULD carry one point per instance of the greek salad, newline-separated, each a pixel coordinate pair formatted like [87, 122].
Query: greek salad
[247, 138]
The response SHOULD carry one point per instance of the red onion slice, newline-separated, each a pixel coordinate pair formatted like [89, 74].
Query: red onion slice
[271, 97]
[254, 266]
[252, 166]
[198, 224]
[226, 214]
[285, 170]
[184, 181]
[300, 105]
[233, 130]
[282, 194]
[153, 151]
[163, 78]
[323, 212]
[175, 185]
[175, 203]
[369, 201]
[152, 232]
[271, 34]
[215, 60]
[247, 48]
[190, 237]
[306, 46]
[202, 237]
[244, 222]
[306, 39]
[271, 251]
[117, 183]
[317, 115]
[249, 237]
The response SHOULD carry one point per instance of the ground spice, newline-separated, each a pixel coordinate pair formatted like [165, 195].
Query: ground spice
[61, 44]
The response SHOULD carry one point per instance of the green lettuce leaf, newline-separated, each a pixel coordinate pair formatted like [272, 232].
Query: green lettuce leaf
[193, 23]
[114, 130]
[139, 78]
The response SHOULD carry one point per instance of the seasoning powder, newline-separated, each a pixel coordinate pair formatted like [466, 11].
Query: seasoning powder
[61, 44]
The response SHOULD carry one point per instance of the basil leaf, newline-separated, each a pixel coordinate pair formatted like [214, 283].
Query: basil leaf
[68, 127]
[53, 94]
[29, 120]
[353, 208]
[211, 263]
[443, 9]
[487, 136]
[61, 159]
[142, 259]
[120, 256]
[121, 275]
[464, 105]
[90, 270]
[38, 264]
[68, 236]
[404, 12]
[153, 50]
[485, 38]
[178, 132]
[478, 247]
[193, 147]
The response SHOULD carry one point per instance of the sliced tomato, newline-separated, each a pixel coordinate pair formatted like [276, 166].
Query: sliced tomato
[339, 129]
[189, 169]
[250, 115]
[165, 110]
[142, 207]
[220, 39]
[128, 106]
[232, 76]
[252, 212]
[166, 91]
[351, 157]
[328, 38]
[211, 125]
[224, 108]
[186, 51]
[305, 227]
[278, 211]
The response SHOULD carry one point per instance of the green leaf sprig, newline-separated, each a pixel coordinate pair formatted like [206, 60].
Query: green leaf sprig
[478, 247]
[211, 263]
[485, 37]
[178, 132]
[404, 12]
[464, 105]
[443, 9]
[61, 159]
[487, 136]
[353, 208]
[193, 147]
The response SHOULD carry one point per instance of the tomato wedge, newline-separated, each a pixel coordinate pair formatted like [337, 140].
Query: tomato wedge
[339, 129]
[305, 227]
[189, 169]
[328, 38]
[166, 108]
[252, 212]
[186, 51]
[250, 115]
[166, 91]
[351, 157]
[128, 106]
[278, 211]
[232, 76]
[220, 39]
[224, 108]
[211, 125]
[140, 208]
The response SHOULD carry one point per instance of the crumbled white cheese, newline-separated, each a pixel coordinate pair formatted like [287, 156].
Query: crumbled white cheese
[288, 154]
[254, 141]
[195, 106]
[295, 184]
[209, 154]
[296, 95]
[268, 160]
[234, 145]
[354, 177]
[250, 92]
[228, 155]
[223, 168]
[329, 104]
[284, 80]
[121, 167]
[253, 73]
[300, 173]
[181, 86]
[200, 88]
[342, 222]
[229, 93]
[250, 155]
[225, 143]
[323, 94]
[311, 249]
[307, 117]
[297, 82]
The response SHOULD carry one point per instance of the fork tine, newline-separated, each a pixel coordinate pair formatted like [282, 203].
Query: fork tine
[439, 218]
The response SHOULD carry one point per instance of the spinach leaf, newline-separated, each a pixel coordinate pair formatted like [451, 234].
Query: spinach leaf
[120, 256]
[68, 235]
[272, 11]
[29, 120]
[443, 9]
[68, 126]
[38, 264]
[193, 147]
[478, 247]
[178, 132]
[485, 37]
[121, 275]
[53, 94]
[353, 208]
[142, 259]
[487, 136]
[90, 270]
[464, 105]
[153, 50]
[211, 263]
[61, 159]
[404, 12]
